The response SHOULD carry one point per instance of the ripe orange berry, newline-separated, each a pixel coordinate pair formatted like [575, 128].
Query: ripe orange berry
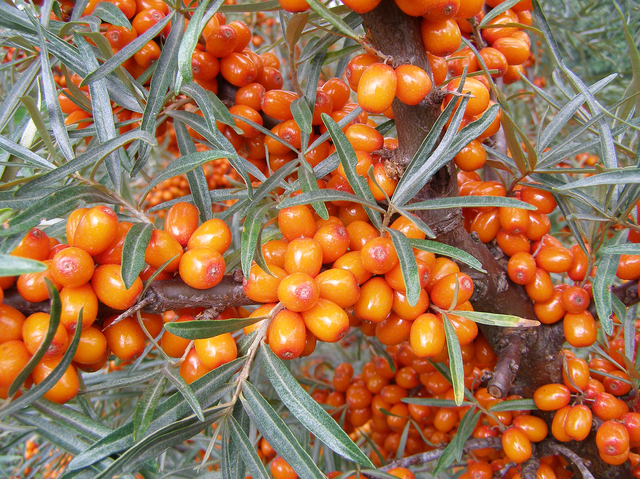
[161, 248]
[612, 438]
[75, 299]
[494, 59]
[34, 245]
[303, 255]
[110, 289]
[280, 469]
[384, 185]
[540, 289]
[11, 321]
[379, 255]
[181, 221]
[296, 222]
[213, 234]
[552, 397]
[440, 38]
[543, 200]
[95, 230]
[326, 320]
[287, 334]
[261, 286]
[32, 286]
[298, 292]
[608, 407]
[338, 285]
[364, 138]
[580, 329]
[618, 385]
[480, 95]
[67, 386]
[192, 368]
[578, 422]
[471, 157]
[175, 346]
[113, 253]
[357, 66]
[578, 372]
[72, 267]
[516, 445]
[333, 240]
[521, 268]
[534, 427]
[498, 31]
[91, 347]
[515, 50]
[202, 267]
[442, 294]
[238, 69]
[14, 356]
[221, 41]
[125, 339]
[216, 351]
[575, 299]
[377, 88]
[427, 336]
[293, 6]
[375, 301]
[35, 329]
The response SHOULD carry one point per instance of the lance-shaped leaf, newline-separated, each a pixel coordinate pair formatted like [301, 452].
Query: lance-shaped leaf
[309, 184]
[184, 389]
[446, 250]
[15, 265]
[453, 452]
[250, 234]
[348, 159]
[492, 319]
[514, 405]
[434, 402]
[455, 360]
[277, 433]
[326, 195]
[605, 276]
[135, 245]
[408, 265]
[109, 13]
[147, 405]
[629, 248]
[52, 206]
[247, 450]
[619, 177]
[121, 382]
[332, 18]
[22, 84]
[72, 419]
[469, 202]
[209, 328]
[302, 114]
[308, 411]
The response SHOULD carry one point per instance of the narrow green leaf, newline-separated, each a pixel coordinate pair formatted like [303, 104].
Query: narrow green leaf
[302, 114]
[250, 234]
[455, 360]
[230, 454]
[408, 265]
[309, 184]
[15, 265]
[121, 382]
[184, 164]
[605, 277]
[326, 195]
[629, 248]
[308, 411]
[453, 452]
[54, 321]
[22, 84]
[247, 450]
[147, 405]
[209, 328]
[39, 122]
[211, 106]
[450, 251]
[274, 429]
[72, 419]
[469, 202]
[492, 319]
[514, 405]
[133, 250]
[184, 389]
[348, 159]
[620, 176]
[109, 13]
[434, 402]
[332, 18]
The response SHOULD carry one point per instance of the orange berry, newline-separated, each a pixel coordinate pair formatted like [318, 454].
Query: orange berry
[521, 268]
[427, 336]
[261, 286]
[534, 427]
[375, 301]
[326, 320]
[72, 267]
[35, 329]
[379, 255]
[303, 255]
[175, 346]
[578, 422]
[91, 347]
[75, 299]
[580, 329]
[161, 248]
[181, 221]
[296, 222]
[612, 438]
[192, 368]
[213, 234]
[202, 267]
[95, 230]
[11, 321]
[339, 286]
[110, 289]
[14, 356]
[552, 397]
[516, 445]
[480, 95]
[126, 339]
[377, 88]
[298, 292]
[440, 38]
[442, 294]
[67, 386]
[216, 351]
[293, 6]
[287, 334]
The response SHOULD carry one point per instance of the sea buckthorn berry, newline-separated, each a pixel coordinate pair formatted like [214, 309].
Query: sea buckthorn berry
[540, 289]
[75, 299]
[375, 301]
[486, 225]
[631, 421]
[494, 59]
[338, 91]
[298, 292]
[125, 339]
[441, 268]
[213, 234]
[534, 427]
[364, 138]
[440, 38]
[628, 267]
[35, 329]
[471, 157]
[175, 346]
[342, 377]
[351, 261]
[445, 419]
[480, 101]
[277, 104]
[65, 389]
[514, 220]
[395, 279]
[578, 374]
[192, 368]
[352, 212]
[578, 269]
[427, 336]
[72, 224]
[575, 299]
[32, 286]
[292, 6]
[119, 37]
[251, 95]
[338, 285]
[110, 288]
[238, 69]
[440, 10]
[216, 351]
[296, 222]
[401, 473]
[469, 8]
[618, 386]
[615, 460]
[303, 255]
[384, 185]
[552, 397]
[600, 364]
[95, 230]
[580, 329]
[91, 347]
[612, 438]
[515, 50]
[498, 31]
[34, 245]
[404, 310]
[327, 321]
[181, 221]
[279, 468]
[393, 330]
[147, 55]
[113, 253]
[360, 233]
[578, 422]
[11, 321]
[557, 425]
[202, 267]
[204, 66]
[465, 58]
[262, 287]
[521, 268]
[333, 240]
[161, 248]
[243, 37]
[14, 356]
[273, 252]
[443, 292]
[516, 445]
[543, 200]
[379, 255]
[511, 243]
[377, 88]
[357, 66]
[466, 330]
[323, 104]
[221, 41]
[248, 131]
[554, 259]
[72, 267]
[550, 311]
[287, 334]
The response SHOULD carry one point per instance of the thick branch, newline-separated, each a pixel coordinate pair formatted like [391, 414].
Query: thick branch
[507, 367]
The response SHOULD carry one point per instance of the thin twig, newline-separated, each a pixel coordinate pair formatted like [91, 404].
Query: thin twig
[131, 311]
[579, 462]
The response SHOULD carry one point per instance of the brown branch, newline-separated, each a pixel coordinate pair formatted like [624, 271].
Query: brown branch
[507, 367]
[580, 463]
[530, 466]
